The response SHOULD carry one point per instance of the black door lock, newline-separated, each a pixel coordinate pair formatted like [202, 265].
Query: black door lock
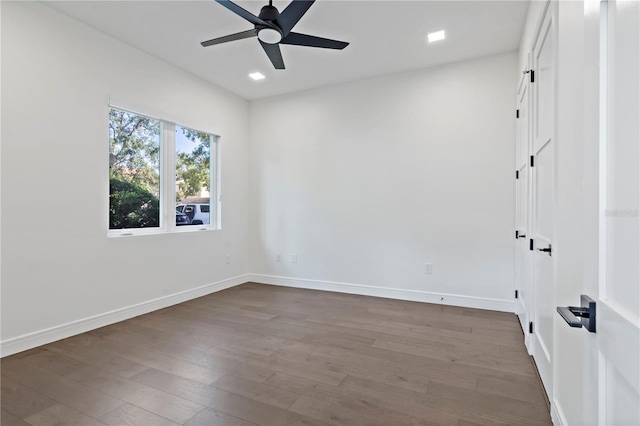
[585, 315]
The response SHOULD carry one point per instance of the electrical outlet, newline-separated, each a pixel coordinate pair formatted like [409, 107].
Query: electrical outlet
[428, 268]
[228, 259]
[278, 257]
[294, 258]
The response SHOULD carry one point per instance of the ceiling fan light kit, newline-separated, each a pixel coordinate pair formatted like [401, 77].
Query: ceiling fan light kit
[273, 28]
[269, 35]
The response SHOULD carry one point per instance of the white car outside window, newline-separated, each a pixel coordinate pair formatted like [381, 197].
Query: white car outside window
[198, 213]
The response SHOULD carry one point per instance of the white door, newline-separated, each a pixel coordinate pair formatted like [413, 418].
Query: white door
[542, 176]
[524, 296]
[611, 363]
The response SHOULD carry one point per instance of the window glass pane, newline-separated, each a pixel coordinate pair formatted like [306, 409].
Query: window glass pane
[193, 173]
[134, 170]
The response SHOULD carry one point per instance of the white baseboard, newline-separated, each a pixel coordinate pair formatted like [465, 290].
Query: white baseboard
[557, 417]
[391, 293]
[42, 337]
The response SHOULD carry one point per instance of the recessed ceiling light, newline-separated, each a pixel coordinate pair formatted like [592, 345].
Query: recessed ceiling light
[256, 76]
[435, 36]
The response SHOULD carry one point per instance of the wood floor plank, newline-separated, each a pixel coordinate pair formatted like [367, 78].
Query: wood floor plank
[430, 349]
[301, 386]
[150, 337]
[373, 359]
[391, 397]
[61, 414]
[127, 347]
[260, 355]
[9, 419]
[355, 402]
[229, 403]
[210, 417]
[130, 415]
[256, 391]
[153, 400]
[526, 375]
[421, 405]
[483, 401]
[475, 421]
[107, 361]
[523, 391]
[355, 412]
[344, 340]
[221, 308]
[320, 371]
[21, 400]
[54, 362]
[77, 396]
[232, 363]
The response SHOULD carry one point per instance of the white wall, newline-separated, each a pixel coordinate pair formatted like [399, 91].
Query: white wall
[58, 266]
[367, 181]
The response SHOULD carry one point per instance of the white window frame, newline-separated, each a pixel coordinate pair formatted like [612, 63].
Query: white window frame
[167, 205]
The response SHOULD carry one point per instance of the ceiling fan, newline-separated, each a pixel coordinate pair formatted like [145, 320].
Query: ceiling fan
[274, 28]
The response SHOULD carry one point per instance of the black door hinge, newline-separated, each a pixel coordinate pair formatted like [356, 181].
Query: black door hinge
[533, 78]
[516, 294]
[517, 113]
[517, 174]
[531, 244]
[530, 327]
[532, 161]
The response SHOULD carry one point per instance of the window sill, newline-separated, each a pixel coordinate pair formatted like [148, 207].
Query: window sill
[120, 233]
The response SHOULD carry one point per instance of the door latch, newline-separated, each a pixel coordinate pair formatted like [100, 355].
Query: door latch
[546, 250]
[584, 315]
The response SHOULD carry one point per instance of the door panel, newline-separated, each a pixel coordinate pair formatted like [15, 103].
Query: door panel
[619, 396]
[618, 340]
[622, 175]
[522, 123]
[543, 262]
[524, 303]
[611, 365]
[543, 208]
[543, 87]
[543, 195]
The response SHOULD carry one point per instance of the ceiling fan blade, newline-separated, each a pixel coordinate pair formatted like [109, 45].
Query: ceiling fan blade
[243, 13]
[274, 54]
[292, 14]
[230, 37]
[313, 41]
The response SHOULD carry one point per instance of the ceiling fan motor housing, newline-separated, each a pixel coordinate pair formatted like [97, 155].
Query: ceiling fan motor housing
[269, 13]
[270, 35]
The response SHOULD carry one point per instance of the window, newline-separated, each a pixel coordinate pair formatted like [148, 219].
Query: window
[161, 176]
[193, 173]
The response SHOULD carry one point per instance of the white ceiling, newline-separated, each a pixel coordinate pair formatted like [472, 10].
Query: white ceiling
[385, 37]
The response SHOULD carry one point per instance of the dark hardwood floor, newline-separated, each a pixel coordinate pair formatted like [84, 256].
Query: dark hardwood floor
[273, 356]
